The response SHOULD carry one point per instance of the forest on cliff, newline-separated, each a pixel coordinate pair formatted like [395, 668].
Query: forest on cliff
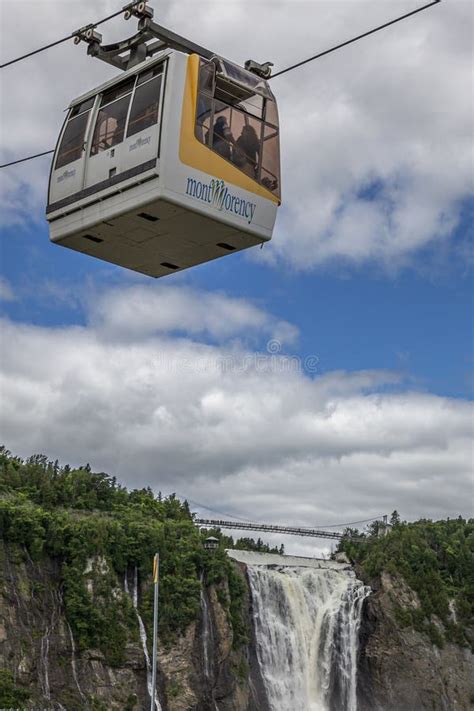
[436, 560]
[74, 515]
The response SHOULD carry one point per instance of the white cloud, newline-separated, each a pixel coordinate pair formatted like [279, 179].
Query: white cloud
[225, 426]
[142, 311]
[376, 138]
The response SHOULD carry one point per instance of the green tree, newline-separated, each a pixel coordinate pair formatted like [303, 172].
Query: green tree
[395, 518]
[96, 531]
[11, 694]
[436, 559]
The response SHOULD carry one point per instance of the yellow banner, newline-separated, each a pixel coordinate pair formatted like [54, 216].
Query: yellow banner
[155, 569]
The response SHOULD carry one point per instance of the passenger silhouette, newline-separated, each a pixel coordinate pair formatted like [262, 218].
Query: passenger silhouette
[247, 151]
[222, 138]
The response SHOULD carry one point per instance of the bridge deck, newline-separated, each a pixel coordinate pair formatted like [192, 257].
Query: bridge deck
[269, 528]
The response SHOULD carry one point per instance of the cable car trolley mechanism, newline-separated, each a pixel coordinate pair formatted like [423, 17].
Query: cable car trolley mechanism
[173, 163]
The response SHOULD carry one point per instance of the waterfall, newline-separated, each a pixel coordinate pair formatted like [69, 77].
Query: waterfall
[143, 636]
[452, 611]
[74, 666]
[207, 635]
[307, 623]
[347, 643]
[44, 665]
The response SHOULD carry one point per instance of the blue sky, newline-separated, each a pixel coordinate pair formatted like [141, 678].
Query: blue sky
[417, 320]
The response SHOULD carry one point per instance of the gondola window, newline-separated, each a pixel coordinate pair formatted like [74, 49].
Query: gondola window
[243, 131]
[72, 143]
[146, 101]
[111, 119]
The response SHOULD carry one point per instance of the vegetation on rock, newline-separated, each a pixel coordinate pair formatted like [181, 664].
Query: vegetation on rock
[436, 560]
[11, 695]
[98, 532]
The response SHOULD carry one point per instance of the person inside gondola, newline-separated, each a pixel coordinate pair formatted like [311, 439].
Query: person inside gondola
[107, 131]
[222, 138]
[247, 151]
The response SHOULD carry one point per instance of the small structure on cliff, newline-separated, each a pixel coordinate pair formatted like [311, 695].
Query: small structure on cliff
[211, 543]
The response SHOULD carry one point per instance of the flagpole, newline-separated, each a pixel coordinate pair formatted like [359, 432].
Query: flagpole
[156, 583]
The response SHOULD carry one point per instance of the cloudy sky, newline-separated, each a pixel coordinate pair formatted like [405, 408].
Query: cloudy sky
[326, 378]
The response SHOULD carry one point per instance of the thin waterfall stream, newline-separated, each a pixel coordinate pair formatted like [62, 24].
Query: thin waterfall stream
[207, 635]
[143, 635]
[44, 664]
[74, 667]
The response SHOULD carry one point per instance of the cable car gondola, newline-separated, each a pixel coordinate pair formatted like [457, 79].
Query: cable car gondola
[173, 163]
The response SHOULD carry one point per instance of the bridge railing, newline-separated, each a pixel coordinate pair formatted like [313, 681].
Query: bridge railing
[269, 528]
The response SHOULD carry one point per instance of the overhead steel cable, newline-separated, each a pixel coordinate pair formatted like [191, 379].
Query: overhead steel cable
[216, 511]
[335, 525]
[354, 39]
[22, 160]
[60, 41]
[350, 523]
[277, 74]
[36, 51]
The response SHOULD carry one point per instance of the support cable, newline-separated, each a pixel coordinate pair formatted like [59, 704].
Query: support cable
[22, 160]
[349, 523]
[277, 74]
[354, 39]
[59, 41]
[247, 520]
[216, 511]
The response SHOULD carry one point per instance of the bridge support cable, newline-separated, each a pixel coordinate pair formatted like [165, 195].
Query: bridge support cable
[269, 528]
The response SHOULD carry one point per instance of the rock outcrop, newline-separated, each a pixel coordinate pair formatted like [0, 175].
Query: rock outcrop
[400, 669]
[37, 644]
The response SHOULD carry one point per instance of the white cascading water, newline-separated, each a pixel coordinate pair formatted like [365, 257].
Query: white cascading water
[74, 667]
[44, 665]
[143, 635]
[207, 636]
[307, 619]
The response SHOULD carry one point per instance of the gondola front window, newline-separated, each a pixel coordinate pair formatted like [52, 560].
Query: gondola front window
[72, 142]
[111, 119]
[243, 130]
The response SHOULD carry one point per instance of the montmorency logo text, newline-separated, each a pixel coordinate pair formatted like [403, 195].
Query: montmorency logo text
[67, 174]
[139, 143]
[217, 193]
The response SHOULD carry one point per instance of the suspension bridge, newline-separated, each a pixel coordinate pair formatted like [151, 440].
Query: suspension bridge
[270, 528]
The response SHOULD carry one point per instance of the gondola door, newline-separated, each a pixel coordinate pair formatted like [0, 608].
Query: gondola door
[106, 159]
[67, 174]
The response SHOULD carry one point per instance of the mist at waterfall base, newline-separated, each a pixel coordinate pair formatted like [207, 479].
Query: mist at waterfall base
[306, 617]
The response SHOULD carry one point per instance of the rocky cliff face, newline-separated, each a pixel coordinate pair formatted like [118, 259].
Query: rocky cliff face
[37, 644]
[400, 669]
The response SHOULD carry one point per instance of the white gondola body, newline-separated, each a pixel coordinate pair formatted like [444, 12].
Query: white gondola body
[158, 200]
